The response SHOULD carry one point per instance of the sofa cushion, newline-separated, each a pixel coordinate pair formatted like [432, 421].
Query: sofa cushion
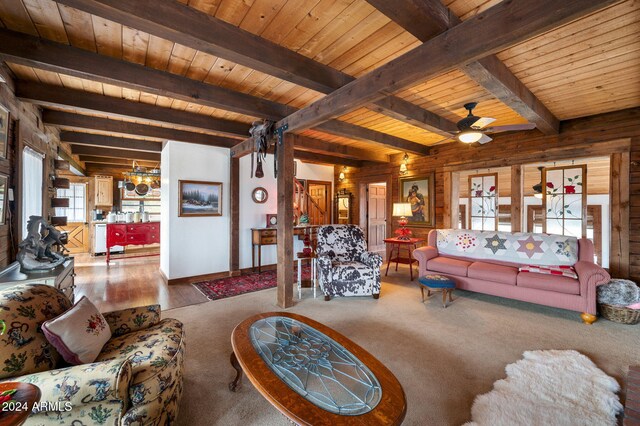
[548, 282]
[447, 265]
[495, 273]
[156, 356]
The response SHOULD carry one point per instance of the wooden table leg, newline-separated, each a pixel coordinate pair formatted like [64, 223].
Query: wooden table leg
[444, 297]
[389, 261]
[410, 263]
[237, 382]
[397, 256]
[259, 259]
[253, 258]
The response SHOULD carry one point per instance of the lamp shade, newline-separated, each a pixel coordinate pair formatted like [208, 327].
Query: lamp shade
[402, 209]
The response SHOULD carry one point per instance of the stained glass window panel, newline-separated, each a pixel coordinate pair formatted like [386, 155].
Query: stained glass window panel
[565, 200]
[483, 192]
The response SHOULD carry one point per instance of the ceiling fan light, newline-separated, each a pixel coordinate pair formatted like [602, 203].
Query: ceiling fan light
[470, 136]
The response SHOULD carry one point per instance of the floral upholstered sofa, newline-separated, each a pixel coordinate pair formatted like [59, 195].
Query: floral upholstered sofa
[490, 262]
[346, 267]
[136, 379]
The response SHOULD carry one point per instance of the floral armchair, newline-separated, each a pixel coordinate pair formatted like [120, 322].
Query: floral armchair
[136, 379]
[346, 267]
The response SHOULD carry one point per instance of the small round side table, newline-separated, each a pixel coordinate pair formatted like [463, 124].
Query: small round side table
[439, 283]
[23, 400]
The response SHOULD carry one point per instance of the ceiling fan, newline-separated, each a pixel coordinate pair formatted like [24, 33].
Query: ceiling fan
[474, 129]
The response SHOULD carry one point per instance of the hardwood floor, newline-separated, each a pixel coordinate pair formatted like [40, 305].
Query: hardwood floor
[128, 283]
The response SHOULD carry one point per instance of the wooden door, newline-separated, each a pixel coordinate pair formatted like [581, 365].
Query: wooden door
[78, 235]
[377, 223]
[319, 208]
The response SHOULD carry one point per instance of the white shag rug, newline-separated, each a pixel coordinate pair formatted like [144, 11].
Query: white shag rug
[549, 388]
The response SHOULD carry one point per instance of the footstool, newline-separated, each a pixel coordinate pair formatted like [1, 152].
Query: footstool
[437, 282]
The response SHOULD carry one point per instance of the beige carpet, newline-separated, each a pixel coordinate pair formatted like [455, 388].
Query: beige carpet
[442, 357]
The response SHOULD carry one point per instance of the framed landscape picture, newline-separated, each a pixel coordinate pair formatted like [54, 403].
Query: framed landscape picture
[198, 198]
[419, 191]
[4, 131]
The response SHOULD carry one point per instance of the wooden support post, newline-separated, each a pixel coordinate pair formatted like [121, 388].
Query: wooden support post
[234, 241]
[619, 240]
[517, 199]
[451, 199]
[285, 222]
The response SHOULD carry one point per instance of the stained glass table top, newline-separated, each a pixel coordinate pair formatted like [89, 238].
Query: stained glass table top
[315, 366]
[313, 374]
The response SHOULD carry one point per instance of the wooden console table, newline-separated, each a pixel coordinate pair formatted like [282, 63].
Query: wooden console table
[267, 237]
[132, 234]
[60, 277]
[397, 244]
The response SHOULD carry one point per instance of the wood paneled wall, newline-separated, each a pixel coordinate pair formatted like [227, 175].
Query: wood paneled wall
[26, 130]
[594, 136]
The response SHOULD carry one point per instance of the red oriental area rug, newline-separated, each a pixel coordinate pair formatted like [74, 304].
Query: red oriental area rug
[234, 286]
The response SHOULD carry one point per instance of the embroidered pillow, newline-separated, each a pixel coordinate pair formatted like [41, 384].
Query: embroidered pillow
[78, 334]
[562, 270]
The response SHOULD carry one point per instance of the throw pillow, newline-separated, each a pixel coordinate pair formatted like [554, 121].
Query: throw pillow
[78, 334]
[562, 270]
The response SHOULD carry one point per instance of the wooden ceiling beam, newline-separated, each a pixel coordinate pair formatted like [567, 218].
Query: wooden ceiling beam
[114, 161]
[91, 139]
[172, 20]
[312, 157]
[427, 18]
[51, 56]
[114, 153]
[304, 143]
[81, 122]
[56, 96]
[495, 29]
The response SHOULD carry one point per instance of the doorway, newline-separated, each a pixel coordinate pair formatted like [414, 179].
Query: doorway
[377, 217]
[77, 227]
[319, 202]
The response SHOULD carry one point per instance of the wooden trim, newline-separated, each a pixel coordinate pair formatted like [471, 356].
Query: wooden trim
[181, 182]
[517, 197]
[451, 208]
[234, 216]
[619, 265]
[194, 278]
[495, 29]
[284, 233]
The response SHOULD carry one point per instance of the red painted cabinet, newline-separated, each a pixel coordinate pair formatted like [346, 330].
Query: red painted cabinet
[124, 234]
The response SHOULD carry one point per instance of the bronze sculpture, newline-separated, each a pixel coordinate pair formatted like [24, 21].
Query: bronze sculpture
[35, 252]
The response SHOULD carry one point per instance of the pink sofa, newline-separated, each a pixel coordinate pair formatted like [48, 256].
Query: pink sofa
[504, 279]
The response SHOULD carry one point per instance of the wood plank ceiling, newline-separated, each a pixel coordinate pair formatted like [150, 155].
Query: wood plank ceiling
[586, 67]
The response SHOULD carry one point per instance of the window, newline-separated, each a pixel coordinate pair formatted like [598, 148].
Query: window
[32, 177]
[565, 201]
[483, 193]
[77, 195]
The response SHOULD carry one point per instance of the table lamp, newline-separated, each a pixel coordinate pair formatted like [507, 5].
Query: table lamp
[403, 210]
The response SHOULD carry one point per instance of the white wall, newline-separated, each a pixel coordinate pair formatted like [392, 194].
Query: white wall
[253, 215]
[193, 246]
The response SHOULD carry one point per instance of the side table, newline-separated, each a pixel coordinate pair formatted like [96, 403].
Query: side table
[399, 245]
[16, 411]
[314, 281]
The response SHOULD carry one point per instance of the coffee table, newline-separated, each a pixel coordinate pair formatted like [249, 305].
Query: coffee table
[16, 412]
[313, 374]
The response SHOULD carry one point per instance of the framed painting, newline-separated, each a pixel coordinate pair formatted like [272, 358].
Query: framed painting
[419, 191]
[4, 131]
[3, 198]
[199, 198]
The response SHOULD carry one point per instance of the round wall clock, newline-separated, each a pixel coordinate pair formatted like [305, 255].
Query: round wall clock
[260, 195]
